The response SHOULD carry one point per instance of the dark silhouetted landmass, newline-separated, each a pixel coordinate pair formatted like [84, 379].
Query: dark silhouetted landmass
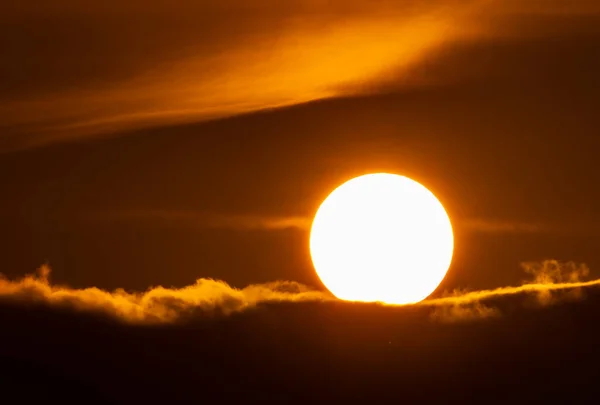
[322, 352]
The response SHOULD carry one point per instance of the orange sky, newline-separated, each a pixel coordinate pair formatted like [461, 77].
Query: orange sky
[490, 104]
[109, 67]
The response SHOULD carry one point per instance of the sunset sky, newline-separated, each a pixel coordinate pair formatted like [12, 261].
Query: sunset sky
[161, 164]
[146, 144]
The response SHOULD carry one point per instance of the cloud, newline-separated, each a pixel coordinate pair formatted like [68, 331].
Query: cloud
[300, 222]
[532, 287]
[495, 226]
[260, 55]
[491, 226]
[553, 271]
[208, 297]
[211, 220]
[157, 304]
[553, 282]
[461, 313]
[107, 67]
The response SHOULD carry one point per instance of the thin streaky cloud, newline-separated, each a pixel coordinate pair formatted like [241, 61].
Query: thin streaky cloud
[300, 222]
[495, 226]
[476, 296]
[294, 53]
[261, 55]
[210, 220]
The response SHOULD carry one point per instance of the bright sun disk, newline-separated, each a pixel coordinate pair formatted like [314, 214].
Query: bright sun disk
[381, 237]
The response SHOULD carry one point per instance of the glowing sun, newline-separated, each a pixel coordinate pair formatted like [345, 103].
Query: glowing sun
[381, 237]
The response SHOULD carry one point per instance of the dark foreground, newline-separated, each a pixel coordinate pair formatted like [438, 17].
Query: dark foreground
[305, 353]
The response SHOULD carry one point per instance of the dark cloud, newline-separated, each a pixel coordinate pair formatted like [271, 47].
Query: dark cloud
[73, 344]
[336, 352]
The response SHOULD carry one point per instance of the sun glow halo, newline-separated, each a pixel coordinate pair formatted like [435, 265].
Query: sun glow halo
[381, 237]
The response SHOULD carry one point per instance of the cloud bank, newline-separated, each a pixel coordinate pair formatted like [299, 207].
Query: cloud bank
[209, 297]
[158, 304]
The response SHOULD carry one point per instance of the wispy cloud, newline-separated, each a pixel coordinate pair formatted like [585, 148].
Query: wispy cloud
[456, 312]
[272, 54]
[210, 220]
[213, 297]
[495, 226]
[476, 296]
[302, 222]
[553, 281]
[159, 64]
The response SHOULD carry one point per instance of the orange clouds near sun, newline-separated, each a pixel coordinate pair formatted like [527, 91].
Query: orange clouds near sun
[260, 58]
[158, 65]
[553, 281]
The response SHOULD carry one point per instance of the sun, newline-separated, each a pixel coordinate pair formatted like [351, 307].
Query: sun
[381, 237]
